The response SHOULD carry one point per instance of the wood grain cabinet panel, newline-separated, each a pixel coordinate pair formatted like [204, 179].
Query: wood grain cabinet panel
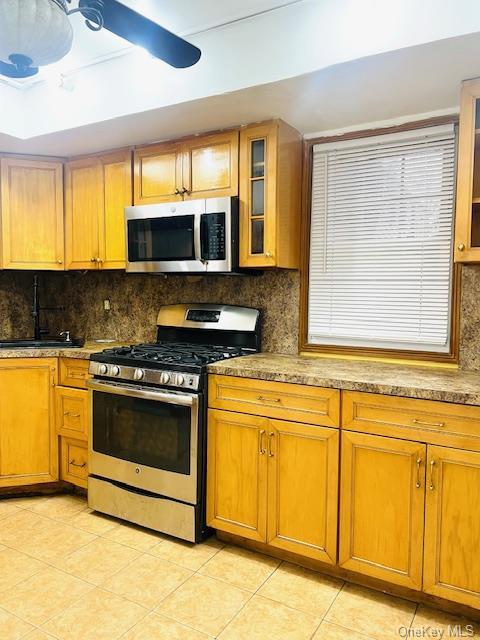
[423, 420]
[270, 195]
[32, 214]
[237, 474]
[74, 457]
[211, 166]
[303, 489]
[72, 412]
[382, 508]
[74, 372]
[97, 191]
[280, 400]
[158, 173]
[452, 534]
[28, 440]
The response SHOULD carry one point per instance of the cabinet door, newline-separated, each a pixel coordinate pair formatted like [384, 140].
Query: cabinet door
[158, 173]
[117, 194]
[258, 169]
[452, 526]
[382, 507]
[303, 489]
[210, 166]
[32, 214]
[237, 474]
[28, 442]
[467, 213]
[84, 209]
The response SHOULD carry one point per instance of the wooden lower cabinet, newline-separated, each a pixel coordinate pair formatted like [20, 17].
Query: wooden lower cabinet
[74, 458]
[237, 474]
[452, 530]
[303, 489]
[382, 507]
[273, 481]
[28, 440]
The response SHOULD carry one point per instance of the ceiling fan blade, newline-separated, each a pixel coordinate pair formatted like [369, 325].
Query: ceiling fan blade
[139, 30]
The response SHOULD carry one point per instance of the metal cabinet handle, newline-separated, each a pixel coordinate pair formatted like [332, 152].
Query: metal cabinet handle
[184, 191]
[431, 486]
[264, 399]
[418, 483]
[461, 247]
[261, 448]
[72, 415]
[93, 259]
[177, 191]
[271, 435]
[428, 424]
[74, 464]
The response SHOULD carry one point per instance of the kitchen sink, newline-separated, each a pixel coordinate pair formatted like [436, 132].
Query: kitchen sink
[31, 343]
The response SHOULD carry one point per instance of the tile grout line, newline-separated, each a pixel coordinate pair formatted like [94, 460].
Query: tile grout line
[328, 609]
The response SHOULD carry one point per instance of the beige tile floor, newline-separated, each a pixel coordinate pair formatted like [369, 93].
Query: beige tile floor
[67, 573]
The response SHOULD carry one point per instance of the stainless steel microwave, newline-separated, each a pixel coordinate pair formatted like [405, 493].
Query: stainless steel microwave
[190, 236]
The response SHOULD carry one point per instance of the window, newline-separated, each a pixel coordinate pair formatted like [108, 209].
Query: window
[380, 270]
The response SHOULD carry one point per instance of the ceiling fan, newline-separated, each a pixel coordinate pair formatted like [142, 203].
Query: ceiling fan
[35, 33]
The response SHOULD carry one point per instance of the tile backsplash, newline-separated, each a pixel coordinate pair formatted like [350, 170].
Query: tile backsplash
[135, 300]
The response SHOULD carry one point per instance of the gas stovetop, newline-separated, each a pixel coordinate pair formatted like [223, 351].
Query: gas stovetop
[189, 338]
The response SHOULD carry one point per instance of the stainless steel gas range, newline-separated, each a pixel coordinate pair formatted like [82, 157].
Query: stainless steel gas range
[147, 457]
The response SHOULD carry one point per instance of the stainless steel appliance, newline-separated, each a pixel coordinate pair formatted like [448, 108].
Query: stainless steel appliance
[191, 236]
[147, 454]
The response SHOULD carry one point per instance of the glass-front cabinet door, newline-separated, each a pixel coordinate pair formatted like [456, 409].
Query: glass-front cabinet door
[467, 227]
[257, 196]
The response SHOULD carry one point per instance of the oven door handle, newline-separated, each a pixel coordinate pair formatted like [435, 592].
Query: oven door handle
[183, 399]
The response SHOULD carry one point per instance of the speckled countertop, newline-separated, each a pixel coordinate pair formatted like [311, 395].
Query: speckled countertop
[82, 353]
[428, 383]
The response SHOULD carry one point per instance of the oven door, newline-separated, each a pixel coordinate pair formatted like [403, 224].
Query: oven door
[165, 237]
[145, 438]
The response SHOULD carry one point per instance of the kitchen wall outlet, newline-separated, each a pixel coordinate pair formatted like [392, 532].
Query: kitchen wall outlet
[106, 305]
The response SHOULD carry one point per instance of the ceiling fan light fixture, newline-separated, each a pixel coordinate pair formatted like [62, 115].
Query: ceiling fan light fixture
[33, 33]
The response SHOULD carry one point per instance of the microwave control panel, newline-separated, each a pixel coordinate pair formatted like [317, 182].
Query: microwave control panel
[212, 232]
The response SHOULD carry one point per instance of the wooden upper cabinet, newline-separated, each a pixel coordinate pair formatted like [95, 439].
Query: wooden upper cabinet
[382, 508]
[210, 166]
[467, 216]
[452, 525]
[97, 191]
[199, 167]
[32, 214]
[270, 195]
[158, 173]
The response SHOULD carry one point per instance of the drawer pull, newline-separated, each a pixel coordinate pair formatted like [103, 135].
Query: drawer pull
[418, 484]
[72, 415]
[261, 448]
[75, 464]
[76, 376]
[264, 399]
[428, 424]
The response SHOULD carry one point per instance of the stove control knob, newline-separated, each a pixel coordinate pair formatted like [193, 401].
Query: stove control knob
[139, 374]
[103, 369]
[115, 371]
[165, 378]
[180, 379]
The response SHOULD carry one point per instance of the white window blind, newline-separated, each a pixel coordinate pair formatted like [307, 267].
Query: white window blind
[381, 241]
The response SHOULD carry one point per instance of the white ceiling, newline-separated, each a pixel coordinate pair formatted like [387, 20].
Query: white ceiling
[319, 64]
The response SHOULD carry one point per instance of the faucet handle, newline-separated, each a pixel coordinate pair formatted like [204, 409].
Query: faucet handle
[67, 335]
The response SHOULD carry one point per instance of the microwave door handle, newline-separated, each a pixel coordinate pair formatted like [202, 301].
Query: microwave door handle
[197, 244]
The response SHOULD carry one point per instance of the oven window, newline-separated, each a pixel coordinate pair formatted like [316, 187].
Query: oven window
[145, 432]
[157, 239]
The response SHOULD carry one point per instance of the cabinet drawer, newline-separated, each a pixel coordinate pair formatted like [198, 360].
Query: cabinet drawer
[74, 462]
[74, 372]
[72, 412]
[281, 400]
[428, 421]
